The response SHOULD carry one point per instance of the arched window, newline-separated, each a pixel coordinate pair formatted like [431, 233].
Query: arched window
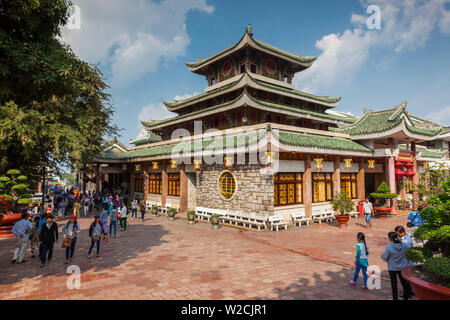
[227, 185]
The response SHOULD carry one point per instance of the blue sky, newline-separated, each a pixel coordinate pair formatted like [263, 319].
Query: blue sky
[141, 47]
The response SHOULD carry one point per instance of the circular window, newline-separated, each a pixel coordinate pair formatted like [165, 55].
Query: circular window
[226, 69]
[270, 66]
[227, 185]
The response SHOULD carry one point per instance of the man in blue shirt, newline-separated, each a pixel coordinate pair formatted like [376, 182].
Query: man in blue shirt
[415, 220]
[22, 231]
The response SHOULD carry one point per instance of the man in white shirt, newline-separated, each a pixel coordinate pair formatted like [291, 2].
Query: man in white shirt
[123, 217]
[368, 211]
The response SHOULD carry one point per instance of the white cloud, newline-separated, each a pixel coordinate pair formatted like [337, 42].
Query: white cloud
[132, 36]
[155, 111]
[441, 116]
[406, 25]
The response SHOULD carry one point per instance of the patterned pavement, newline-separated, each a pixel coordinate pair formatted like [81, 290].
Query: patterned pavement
[161, 259]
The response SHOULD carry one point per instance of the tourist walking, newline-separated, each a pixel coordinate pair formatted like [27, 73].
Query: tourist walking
[104, 218]
[361, 260]
[86, 206]
[70, 233]
[394, 255]
[77, 206]
[142, 209]
[134, 204]
[368, 212]
[113, 220]
[47, 237]
[34, 235]
[22, 231]
[123, 217]
[95, 233]
[98, 203]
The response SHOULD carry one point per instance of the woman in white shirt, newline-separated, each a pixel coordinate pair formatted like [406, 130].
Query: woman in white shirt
[123, 217]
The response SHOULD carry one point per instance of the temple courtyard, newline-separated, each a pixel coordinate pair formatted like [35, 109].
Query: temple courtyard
[161, 259]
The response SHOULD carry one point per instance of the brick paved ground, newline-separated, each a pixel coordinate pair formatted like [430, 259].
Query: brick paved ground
[159, 259]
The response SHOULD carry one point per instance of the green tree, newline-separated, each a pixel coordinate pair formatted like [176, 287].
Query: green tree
[53, 106]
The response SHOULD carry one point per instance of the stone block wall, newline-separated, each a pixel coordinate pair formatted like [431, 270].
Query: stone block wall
[254, 191]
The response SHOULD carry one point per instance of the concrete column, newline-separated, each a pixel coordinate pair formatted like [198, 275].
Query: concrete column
[183, 189]
[336, 176]
[165, 183]
[132, 183]
[145, 168]
[415, 178]
[97, 179]
[391, 170]
[307, 186]
[360, 182]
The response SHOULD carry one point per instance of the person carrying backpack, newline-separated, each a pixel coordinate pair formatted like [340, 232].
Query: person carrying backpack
[70, 233]
[95, 233]
[113, 220]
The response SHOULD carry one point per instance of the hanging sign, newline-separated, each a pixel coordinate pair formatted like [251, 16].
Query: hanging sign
[269, 158]
[155, 165]
[347, 164]
[198, 165]
[228, 161]
[318, 164]
[173, 164]
[405, 156]
[137, 168]
[124, 167]
[371, 165]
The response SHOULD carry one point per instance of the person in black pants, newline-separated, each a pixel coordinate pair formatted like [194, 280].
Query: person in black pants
[47, 237]
[394, 255]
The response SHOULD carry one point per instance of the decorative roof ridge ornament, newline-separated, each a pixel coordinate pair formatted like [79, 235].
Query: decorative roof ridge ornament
[398, 109]
[367, 111]
[248, 30]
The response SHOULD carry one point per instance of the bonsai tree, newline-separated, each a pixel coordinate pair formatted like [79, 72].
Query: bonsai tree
[435, 253]
[14, 187]
[342, 204]
[384, 193]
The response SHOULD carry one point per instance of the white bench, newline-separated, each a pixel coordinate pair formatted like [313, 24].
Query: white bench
[166, 208]
[322, 213]
[353, 214]
[276, 222]
[258, 220]
[299, 218]
[202, 213]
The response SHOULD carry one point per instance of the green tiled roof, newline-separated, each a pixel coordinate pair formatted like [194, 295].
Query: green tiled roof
[162, 150]
[325, 116]
[381, 121]
[431, 154]
[151, 123]
[205, 94]
[297, 92]
[311, 141]
[302, 111]
[152, 137]
[299, 58]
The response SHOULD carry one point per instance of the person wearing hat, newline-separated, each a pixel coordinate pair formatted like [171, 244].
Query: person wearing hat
[95, 233]
[70, 233]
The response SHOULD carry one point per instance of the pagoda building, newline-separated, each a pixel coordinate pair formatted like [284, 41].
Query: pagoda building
[252, 142]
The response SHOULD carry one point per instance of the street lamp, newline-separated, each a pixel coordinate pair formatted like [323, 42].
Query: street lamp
[44, 165]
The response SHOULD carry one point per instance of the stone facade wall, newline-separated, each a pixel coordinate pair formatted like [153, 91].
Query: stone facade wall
[254, 191]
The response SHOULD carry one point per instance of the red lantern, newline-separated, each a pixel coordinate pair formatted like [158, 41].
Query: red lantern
[398, 164]
[399, 174]
[409, 165]
[409, 173]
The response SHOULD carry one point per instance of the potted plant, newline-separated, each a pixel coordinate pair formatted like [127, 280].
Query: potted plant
[171, 214]
[383, 196]
[154, 210]
[215, 221]
[401, 205]
[431, 280]
[191, 216]
[342, 205]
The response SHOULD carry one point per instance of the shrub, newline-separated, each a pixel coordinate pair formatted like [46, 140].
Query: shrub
[384, 192]
[439, 266]
[342, 203]
[436, 230]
